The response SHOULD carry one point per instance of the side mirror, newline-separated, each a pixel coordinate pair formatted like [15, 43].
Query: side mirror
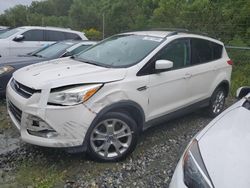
[242, 92]
[18, 38]
[163, 65]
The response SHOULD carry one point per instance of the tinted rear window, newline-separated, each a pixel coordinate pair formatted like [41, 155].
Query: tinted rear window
[204, 51]
[217, 50]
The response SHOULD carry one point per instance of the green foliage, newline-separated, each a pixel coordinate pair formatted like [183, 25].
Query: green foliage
[93, 34]
[241, 69]
[227, 20]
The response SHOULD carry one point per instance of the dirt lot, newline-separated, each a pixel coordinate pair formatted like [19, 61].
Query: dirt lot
[151, 164]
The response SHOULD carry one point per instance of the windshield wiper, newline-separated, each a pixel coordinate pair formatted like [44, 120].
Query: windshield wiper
[36, 55]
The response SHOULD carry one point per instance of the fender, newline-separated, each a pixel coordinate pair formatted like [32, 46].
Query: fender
[124, 104]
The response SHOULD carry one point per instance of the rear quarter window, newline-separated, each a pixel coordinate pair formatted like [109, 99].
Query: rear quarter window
[204, 51]
[217, 50]
[72, 36]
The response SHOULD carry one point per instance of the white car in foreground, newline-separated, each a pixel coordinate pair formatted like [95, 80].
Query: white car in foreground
[103, 98]
[218, 156]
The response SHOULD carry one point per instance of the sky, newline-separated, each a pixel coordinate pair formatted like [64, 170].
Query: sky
[5, 4]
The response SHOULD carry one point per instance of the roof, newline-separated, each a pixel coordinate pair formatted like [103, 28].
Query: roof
[78, 41]
[48, 27]
[172, 33]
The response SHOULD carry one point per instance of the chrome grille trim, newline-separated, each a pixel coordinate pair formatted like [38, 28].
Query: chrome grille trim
[22, 90]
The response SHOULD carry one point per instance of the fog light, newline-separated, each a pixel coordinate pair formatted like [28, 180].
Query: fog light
[38, 127]
[44, 133]
[51, 134]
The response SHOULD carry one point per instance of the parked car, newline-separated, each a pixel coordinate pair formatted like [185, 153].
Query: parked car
[100, 100]
[3, 29]
[57, 50]
[218, 156]
[22, 40]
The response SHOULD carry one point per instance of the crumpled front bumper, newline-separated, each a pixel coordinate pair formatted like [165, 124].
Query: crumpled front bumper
[48, 125]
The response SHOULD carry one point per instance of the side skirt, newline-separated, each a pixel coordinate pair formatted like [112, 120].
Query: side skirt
[176, 114]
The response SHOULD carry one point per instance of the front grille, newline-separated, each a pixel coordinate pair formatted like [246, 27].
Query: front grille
[16, 112]
[22, 90]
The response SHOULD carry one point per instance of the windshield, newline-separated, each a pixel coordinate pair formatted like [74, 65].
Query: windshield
[10, 33]
[120, 50]
[53, 50]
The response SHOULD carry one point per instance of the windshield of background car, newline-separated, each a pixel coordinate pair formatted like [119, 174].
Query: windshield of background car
[53, 49]
[10, 33]
[120, 50]
[3, 31]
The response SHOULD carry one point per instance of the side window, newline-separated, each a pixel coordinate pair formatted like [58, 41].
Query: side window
[178, 52]
[217, 50]
[72, 36]
[54, 35]
[33, 35]
[204, 51]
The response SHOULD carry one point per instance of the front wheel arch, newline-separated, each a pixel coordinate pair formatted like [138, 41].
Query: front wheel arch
[128, 107]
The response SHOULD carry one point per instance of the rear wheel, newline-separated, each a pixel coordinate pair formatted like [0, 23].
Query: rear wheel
[217, 102]
[113, 137]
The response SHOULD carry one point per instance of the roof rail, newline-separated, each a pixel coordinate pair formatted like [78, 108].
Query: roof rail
[171, 34]
[169, 29]
[175, 31]
[58, 27]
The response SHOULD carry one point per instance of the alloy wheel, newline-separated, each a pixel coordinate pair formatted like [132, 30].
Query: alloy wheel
[111, 138]
[219, 102]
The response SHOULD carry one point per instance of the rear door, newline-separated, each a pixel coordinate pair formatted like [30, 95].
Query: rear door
[168, 89]
[205, 58]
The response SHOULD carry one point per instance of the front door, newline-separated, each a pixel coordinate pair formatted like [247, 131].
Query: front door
[168, 90]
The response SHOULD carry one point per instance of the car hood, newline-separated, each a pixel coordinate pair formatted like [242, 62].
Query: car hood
[16, 61]
[65, 71]
[225, 149]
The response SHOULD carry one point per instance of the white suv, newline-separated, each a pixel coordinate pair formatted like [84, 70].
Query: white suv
[22, 40]
[101, 99]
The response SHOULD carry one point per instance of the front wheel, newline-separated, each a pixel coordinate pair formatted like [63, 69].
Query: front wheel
[113, 137]
[217, 102]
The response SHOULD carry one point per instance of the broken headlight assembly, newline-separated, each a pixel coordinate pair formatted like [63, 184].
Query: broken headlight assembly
[194, 170]
[73, 96]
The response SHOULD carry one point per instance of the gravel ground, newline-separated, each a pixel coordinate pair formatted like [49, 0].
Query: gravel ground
[150, 165]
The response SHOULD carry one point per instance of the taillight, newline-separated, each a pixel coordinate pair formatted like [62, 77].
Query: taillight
[230, 62]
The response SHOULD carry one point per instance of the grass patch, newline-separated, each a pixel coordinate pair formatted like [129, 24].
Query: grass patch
[241, 69]
[38, 175]
[4, 121]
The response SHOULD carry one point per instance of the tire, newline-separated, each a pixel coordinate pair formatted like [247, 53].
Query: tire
[112, 138]
[217, 102]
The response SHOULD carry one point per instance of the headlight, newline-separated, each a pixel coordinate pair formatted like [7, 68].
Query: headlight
[195, 172]
[73, 96]
[6, 69]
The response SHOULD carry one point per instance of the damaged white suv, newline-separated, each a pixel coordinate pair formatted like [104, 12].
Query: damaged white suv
[101, 99]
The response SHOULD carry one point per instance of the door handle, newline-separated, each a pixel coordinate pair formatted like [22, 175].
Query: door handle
[187, 76]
